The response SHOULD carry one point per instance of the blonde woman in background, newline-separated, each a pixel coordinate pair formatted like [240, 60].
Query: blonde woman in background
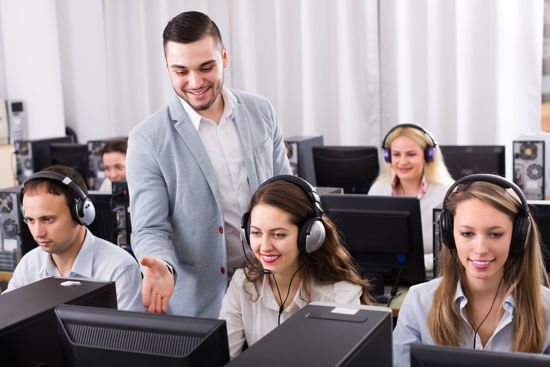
[413, 166]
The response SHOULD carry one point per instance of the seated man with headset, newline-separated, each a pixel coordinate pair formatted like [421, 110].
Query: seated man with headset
[57, 210]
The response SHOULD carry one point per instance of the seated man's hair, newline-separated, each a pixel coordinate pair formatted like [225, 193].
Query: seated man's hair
[55, 187]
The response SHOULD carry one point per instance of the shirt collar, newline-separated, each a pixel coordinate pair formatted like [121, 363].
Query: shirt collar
[461, 299]
[196, 117]
[83, 263]
[423, 186]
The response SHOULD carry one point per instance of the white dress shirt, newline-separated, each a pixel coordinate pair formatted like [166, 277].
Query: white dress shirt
[222, 144]
[431, 196]
[412, 323]
[97, 259]
[250, 318]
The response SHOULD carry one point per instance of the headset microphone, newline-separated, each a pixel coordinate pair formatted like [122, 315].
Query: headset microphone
[265, 271]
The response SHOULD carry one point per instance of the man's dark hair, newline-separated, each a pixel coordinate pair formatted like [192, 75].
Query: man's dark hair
[191, 26]
[115, 145]
[55, 187]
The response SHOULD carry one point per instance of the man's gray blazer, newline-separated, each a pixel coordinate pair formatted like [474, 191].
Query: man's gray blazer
[175, 202]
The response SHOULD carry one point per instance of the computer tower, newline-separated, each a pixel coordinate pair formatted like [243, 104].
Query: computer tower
[17, 121]
[326, 334]
[28, 331]
[299, 150]
[436, 215]
[529, 167]
[16, 237]
[34, 155]
[4, 125]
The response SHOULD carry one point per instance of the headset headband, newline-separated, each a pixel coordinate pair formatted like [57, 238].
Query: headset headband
[54, 176]
[413, 126]
[495, 179]
[305, 186]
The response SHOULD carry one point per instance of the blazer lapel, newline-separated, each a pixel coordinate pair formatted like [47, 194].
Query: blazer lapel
[242, 123]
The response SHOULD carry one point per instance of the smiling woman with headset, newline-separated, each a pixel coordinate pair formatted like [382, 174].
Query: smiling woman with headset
[492, 293]
[414, 167]
[298, 258]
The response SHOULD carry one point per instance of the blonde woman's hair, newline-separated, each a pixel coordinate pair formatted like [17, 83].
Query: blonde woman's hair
[436, 172]
[524, 273]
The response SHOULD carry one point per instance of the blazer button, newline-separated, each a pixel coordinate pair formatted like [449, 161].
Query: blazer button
[222, 269]
[220, 229]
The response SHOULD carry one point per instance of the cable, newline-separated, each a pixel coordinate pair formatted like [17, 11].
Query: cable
[395, 285]
[485, 318]
[282, 306]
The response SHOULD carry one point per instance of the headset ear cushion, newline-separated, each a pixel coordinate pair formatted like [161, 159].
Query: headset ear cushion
[520, 234]
[83, 212]
[245, 228]
[446, 229]
[312, 235]
[429, 154]
[387, 155]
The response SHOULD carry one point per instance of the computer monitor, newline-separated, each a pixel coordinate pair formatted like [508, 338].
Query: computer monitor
[382, 233]
[102, 337]
[540, 210]
[326, 334]
[72, 155]
[354, 168]
[464, 160]
[444, 356]
[104, 225]
[28, 334]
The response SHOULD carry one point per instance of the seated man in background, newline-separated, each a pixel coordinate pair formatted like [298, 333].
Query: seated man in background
[114, 163]
[56, 209]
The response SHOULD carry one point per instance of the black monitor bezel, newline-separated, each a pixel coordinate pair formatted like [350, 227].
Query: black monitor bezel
[413, 271]
[340, 170]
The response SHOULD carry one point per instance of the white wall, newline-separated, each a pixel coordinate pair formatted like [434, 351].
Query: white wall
[83, 68]
[32, 63]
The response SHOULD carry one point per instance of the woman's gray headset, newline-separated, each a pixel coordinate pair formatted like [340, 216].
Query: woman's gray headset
[522, 223]
[312, 232]
[82, 210]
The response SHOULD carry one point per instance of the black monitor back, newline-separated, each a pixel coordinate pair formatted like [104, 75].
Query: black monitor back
[28, 334]
[104, 225]
[102, 337]
[464, 160]
[72, 155]
[354, 168]
[444, 356]
[382, 233]
[324, 334]
[540, 210]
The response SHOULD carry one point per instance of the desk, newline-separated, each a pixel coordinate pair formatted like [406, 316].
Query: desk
[396, 302]
[5, 277]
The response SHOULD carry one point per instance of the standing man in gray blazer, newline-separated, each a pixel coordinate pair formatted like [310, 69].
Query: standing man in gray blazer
[191, 169]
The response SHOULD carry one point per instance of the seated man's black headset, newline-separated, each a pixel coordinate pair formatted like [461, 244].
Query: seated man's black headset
[82, 209]
[429, 151]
